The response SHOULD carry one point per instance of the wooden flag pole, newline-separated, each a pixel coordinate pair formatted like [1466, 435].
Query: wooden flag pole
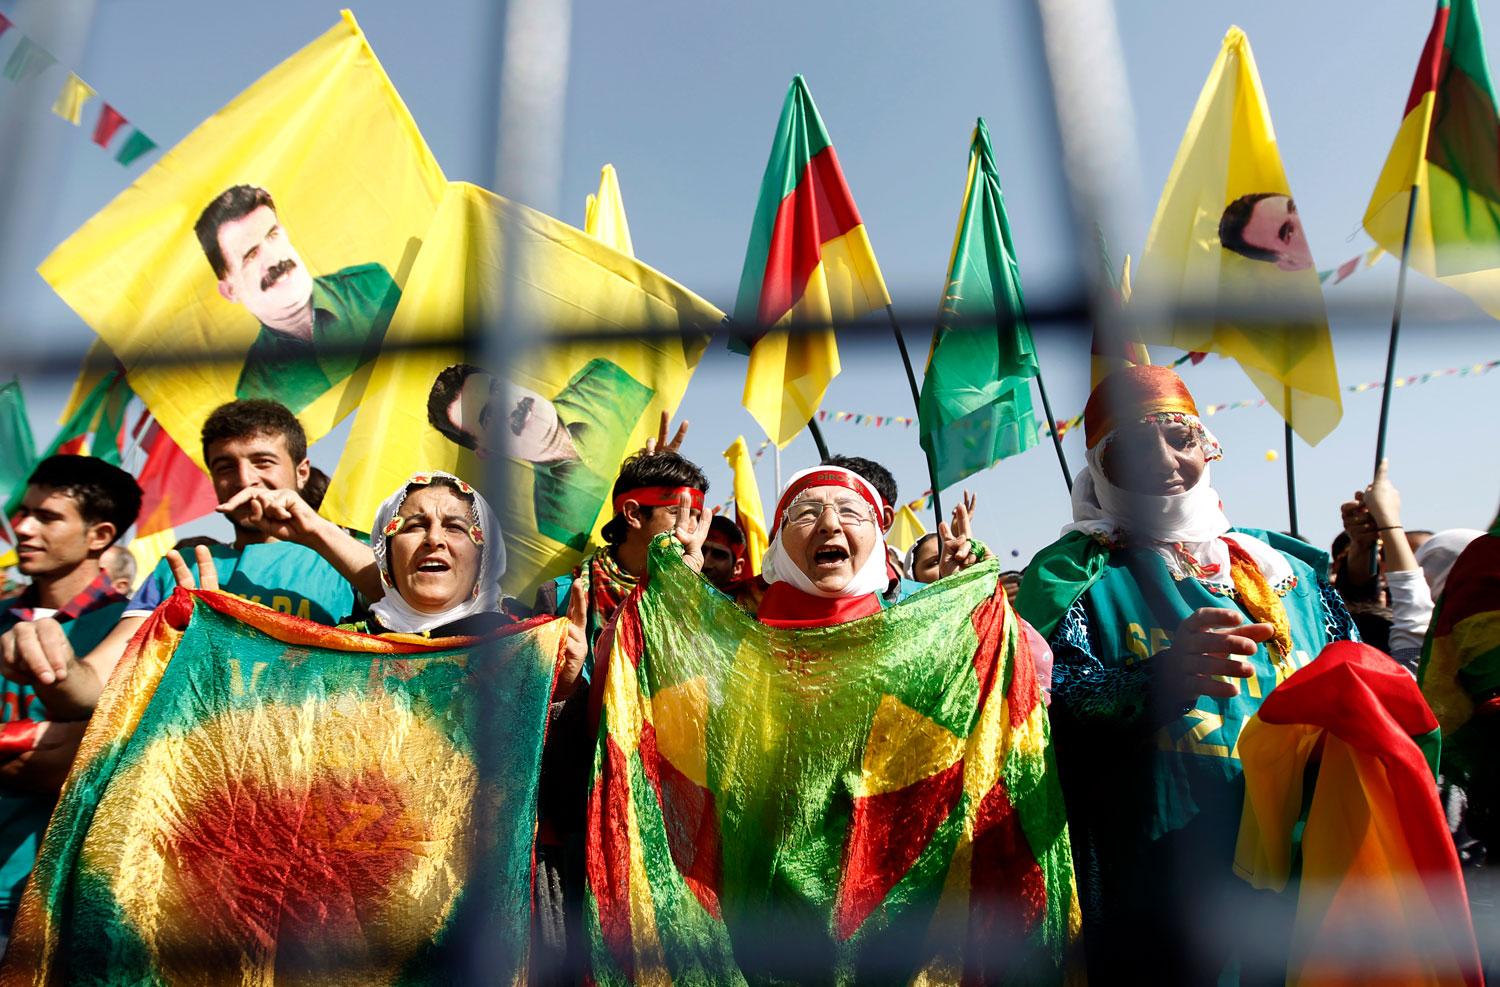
[916, 400]
[1390, 354]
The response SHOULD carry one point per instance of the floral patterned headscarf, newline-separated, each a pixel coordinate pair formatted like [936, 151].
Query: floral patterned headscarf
[484, 530]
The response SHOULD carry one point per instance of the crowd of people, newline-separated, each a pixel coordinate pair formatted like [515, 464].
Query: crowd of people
[1157, 628]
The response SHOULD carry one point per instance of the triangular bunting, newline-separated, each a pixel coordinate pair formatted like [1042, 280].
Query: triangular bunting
[135, 146]
[27, 61]
[75, 92]
[110, 120]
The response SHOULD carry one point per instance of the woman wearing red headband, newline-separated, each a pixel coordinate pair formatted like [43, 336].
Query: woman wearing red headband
[1168, 627]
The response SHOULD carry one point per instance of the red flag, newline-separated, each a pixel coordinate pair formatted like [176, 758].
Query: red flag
[5, 23]
[174, 490]
[110, 120]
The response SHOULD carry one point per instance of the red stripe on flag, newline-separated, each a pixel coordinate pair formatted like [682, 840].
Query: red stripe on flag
[174, 490]
[887, 833]
[819, 209]
[1433, 64]
[607, 858]
[989, 627]
[692, 823]
[1007, 890]
[73, 446]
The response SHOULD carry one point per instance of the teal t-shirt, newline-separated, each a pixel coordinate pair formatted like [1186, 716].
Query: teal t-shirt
[281, 575]
[23, 816]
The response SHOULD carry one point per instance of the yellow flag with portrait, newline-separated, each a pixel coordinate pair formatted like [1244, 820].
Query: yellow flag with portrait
[264, 254]
[588, 393]
[1227, 239]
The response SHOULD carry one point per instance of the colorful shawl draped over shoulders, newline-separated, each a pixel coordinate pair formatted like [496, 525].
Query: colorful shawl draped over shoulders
[260, 798]
[872, 801]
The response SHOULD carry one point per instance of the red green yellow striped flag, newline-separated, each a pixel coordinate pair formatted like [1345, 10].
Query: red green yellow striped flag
[809, 263]
[875, 800]
[263, 799]
[1449, 147]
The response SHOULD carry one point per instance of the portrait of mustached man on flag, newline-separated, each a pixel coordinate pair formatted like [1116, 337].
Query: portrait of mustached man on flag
[1227, 235]
[564, 415]
[276, 236]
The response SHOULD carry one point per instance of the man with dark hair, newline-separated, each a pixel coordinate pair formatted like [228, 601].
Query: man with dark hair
[314, 331]
[283, 556]
[573, 441]
[724, 562]
[74, 509]
[1265, 226]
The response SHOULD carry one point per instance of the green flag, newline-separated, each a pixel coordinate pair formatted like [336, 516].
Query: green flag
[273, 800]
[15, 436]
[102, 413]
[976, 394]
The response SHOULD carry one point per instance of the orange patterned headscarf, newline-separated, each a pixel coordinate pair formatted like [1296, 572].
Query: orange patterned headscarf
[1137, 392]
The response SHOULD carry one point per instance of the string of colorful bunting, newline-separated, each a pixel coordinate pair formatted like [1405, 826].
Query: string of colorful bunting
[29, 60]
[1064, 427]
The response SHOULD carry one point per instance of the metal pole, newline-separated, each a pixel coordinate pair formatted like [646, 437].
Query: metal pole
[817, 437]
[1291, 484]
[1390, 353]
[1062, 460]
[916, 400]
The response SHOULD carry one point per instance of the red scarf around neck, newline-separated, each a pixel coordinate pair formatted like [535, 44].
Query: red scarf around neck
[786, 606]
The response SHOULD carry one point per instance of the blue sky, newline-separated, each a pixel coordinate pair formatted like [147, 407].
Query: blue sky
[683, 98]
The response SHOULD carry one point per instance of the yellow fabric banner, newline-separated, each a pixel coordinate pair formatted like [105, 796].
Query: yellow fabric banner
[276, 235]
[906, 528]
[750, 514]
[572, 410]
[1227, 237]
[75, 92]
[604, 214]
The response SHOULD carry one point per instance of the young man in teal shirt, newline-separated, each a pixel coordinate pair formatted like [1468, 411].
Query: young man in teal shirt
[256, 453]
[74, 509]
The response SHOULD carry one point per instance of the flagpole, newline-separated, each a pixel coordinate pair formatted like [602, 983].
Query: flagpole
[1291, 482]
[916, 400]
[1390, 353]
[817, 435]
[1062, 460]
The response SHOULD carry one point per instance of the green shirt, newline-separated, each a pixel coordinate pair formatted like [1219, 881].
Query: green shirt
[351, 309]
[284, 576]
[23, 817]
[600, 407]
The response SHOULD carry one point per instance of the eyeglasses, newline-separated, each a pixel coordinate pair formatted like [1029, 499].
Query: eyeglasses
[805, 513]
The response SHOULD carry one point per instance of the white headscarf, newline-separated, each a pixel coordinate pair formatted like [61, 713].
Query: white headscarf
[393, 612]
[871, 577]
[1438, 553]
[1192, 522]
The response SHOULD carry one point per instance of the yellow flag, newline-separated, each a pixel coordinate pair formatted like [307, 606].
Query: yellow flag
[750, 514]
[575, 409]
[149, 550]
[75, 92]
[604, 214]
[320, 186]
[906, 528]
[1227, 235]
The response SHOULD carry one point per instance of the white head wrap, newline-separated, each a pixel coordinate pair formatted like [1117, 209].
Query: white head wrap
[871, 577]
[1438, 553]
[1192, 522]
[392, 610]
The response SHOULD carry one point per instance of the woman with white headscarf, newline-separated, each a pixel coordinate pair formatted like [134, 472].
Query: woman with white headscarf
[1168, 627]
[827, 560]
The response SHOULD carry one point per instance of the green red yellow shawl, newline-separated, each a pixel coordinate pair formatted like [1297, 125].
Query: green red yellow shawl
[262, 798]
[872, 801]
